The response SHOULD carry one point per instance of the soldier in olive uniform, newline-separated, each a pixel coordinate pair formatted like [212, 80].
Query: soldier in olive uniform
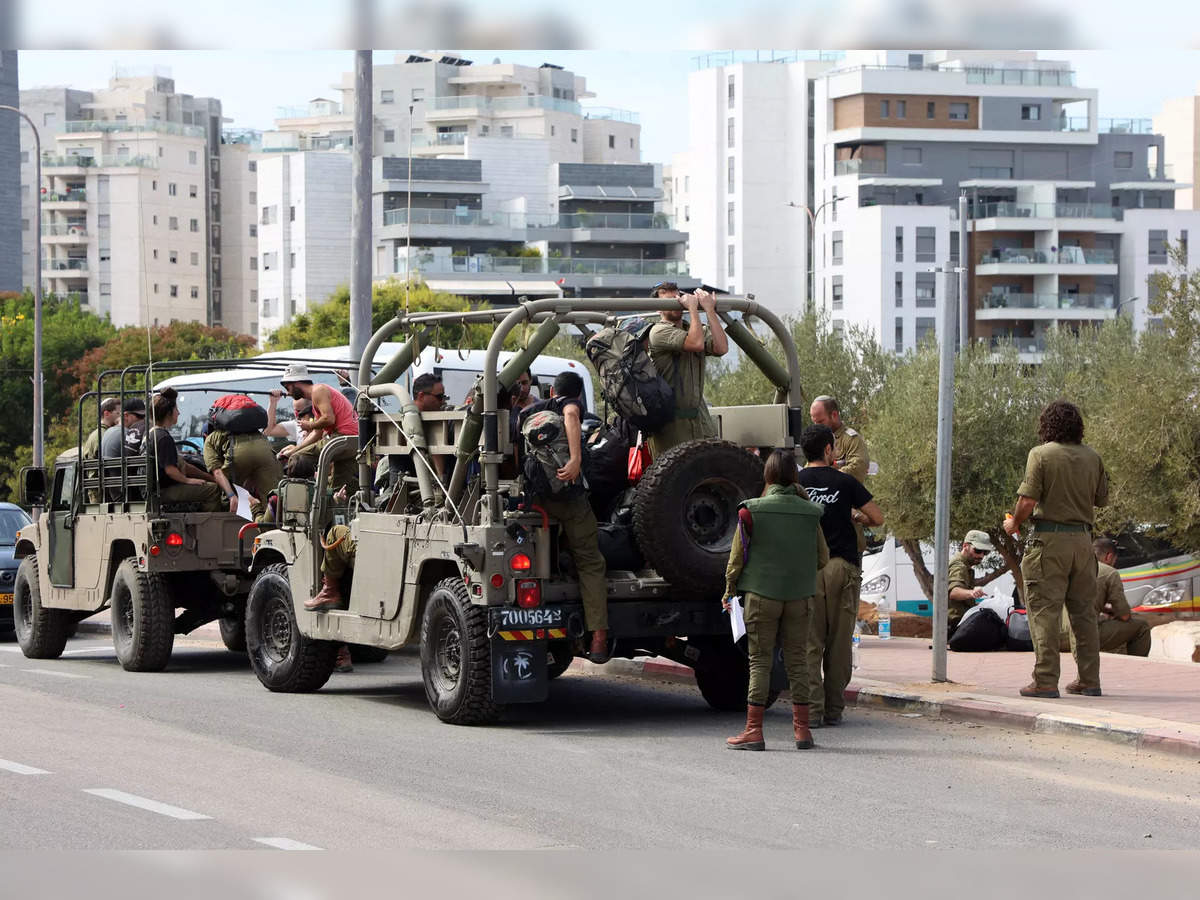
[778, 549]
[1064, 482]
[678, 352]
[961, 576]
[245, 459]
[1120, 630]
[110, 410]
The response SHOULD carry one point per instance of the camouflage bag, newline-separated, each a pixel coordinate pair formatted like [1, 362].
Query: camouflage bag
[547, 451]
[629, 380]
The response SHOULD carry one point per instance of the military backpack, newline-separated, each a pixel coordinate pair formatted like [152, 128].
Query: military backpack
[547, 451]
[628, 378]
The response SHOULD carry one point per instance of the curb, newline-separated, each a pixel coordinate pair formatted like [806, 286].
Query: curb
[1134, 732]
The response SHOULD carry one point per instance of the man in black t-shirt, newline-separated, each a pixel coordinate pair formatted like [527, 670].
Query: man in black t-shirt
[835, 608]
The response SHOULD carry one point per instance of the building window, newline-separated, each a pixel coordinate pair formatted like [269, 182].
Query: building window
[912, 156]
[154, 220]
[729, 130]
[387, 96]
[174, 290]
[883, 109]
[835, 292]
[930, 110]
[899, 244]
[24, 156]
[418, 94]
[959, 112]
[191, 157]
[1183, 245]
[632, 144]
[195, 258]
[171, 189]
[291, 214]
[253, 231]
[105, 288]
[252, 166]
[612, 142]
[154, 289]
[193, 191]
[729, 260]
[916, 60]
[899, 335]
[687, 214]
[729, 90]
[172, 256]
[899, 290]
[254, 198]
[1157, 250]
[730, 218]
[838, 327]
[926, 247]
[269, 261]
[552, 131]
[926, 289]
[154, 253]
[254, 266]
[1031, 112]
[925, 326]
[836, 248]
[389, 135]
[24, 224]
[154, 185]
[954, 246]
[729, 172]
[291, 260]
[253, 296]
[901, 109]
[193, 225]
[194, 292]
[1123, 159]
[173, 223]
[574, 135]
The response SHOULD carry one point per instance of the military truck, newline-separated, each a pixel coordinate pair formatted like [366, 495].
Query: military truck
[472, 573]
[106, 540]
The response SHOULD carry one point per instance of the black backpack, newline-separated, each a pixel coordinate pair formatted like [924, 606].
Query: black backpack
[629, 380]
[606, 464]
[980, 632]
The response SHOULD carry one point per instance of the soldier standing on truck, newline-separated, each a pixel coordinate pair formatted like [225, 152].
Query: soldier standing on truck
[333, 416]
[245, 459]
[679, 352]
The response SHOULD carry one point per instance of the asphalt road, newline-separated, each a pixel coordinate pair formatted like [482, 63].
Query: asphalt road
[202, 757]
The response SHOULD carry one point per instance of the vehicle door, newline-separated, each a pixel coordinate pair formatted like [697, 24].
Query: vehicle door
[61, 527]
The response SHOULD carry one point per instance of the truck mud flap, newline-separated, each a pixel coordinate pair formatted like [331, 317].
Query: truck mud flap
[518, 670]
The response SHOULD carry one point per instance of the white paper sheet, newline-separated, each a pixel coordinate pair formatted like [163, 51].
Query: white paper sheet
[243, 509]
[737, 621]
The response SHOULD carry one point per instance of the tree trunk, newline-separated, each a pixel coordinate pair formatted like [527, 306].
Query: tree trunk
[924, 577]
[1011, 549]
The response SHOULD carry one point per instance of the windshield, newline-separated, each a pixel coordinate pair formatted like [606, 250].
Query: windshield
[11, 521]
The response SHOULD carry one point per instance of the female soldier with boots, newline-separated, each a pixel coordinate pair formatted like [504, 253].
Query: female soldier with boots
[777, 549]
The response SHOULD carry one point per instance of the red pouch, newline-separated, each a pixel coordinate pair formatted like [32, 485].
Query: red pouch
[639, 460]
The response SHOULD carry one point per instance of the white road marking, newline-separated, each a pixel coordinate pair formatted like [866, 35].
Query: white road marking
[20, 769]
[163, 809]
[10, 649]
[56, 674]
[281, 843]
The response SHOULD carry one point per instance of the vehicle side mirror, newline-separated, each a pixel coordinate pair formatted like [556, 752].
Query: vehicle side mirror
[33, 486]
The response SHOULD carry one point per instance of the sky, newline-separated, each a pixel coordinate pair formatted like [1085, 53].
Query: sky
[252, 83]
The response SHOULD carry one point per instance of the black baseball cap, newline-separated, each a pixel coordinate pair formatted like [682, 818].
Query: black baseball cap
[135, 405]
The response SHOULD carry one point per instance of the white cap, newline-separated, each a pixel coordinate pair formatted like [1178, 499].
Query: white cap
[295, 372]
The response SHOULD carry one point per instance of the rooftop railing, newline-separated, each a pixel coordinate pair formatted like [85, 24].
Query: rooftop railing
[475, 218]
[1005, 209]
[504, 104]
[733, 57]
[859, 166]
[96, 162]
[89, 126]
[608, 112]
[535, 265]
[1030, 256]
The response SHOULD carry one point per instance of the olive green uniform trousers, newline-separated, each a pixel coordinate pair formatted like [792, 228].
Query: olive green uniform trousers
[208, 495]
[583, 537]
[831, 637]
[768, 621]
[1131, 638]
[1059, 569]
[340, 553]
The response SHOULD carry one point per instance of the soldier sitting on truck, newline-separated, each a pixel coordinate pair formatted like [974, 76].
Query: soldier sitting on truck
[565, 498]
[133, 414]
[178, 480]
[109, 411]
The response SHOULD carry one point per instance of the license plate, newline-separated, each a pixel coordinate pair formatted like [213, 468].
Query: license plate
[6, 599]
[546, 617]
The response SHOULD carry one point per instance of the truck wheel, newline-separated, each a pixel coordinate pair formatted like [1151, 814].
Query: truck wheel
[361, 653]
[456, 656]
[233, 633]
[41, 632]
[143, 619]
[685, 511]
[723, 675]
[563, 657]
[283, 659]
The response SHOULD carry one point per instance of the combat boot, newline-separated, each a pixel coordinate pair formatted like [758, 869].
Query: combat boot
[804, 738]
[598, 652]
[752, 737]
[1078, 687]
[329, 597]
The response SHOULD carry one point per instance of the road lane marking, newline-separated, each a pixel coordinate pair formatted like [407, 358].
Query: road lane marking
[163, 809]
[56, 674]
[20, 769]
[282, 843]
[10, 649]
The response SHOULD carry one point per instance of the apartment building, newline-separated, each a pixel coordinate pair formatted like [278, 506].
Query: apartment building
[237, 233]
[1179, 123]
[11, 234]
[105, 153]
[440, 100]
[303, 204]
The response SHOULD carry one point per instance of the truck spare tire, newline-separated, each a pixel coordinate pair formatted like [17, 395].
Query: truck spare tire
[685, 511]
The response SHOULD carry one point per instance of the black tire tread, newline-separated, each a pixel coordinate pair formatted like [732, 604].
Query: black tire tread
[315, 659]
[154, 639]
[49, 628]
[477, 707]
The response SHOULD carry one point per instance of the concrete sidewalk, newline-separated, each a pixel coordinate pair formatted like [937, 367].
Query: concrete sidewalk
[1147, 704]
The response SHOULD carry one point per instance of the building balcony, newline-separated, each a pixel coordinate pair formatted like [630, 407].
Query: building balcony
[64, 234]
[1028, 261]
[1030, 349]
[474, 218]
[994, 307]
[64, 268]
[472, 105]
[65, 200]
[611, 113]
[540, 265]
[1009, 216]
[1105, 125]
[96, 162]
[97, 126]
[859, 166]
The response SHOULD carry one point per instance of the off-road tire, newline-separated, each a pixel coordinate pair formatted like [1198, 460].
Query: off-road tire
[685, 511]
[143, 619]
[233, 633]
[723, 675]
[283, 659]
[456, 663]
[563, 657]
[41, 632]
[361, 654]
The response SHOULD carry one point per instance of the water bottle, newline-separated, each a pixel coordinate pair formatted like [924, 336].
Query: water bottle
[885, 625]
[854, 660]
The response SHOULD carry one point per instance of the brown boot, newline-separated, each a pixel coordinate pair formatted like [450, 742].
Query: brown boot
[343, 663]
[752, 737]
[1033, 689]
[329, 597]
[598, 653]
[1078, 687]
[804, 738]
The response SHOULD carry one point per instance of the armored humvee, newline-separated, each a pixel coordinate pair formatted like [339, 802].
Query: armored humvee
[472, 572]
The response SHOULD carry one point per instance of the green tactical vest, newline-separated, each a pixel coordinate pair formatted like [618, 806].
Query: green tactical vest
[783, 547]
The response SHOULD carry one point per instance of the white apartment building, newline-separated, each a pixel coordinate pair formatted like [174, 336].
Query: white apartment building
[1179, 123]
[303, 204]
[237, 235]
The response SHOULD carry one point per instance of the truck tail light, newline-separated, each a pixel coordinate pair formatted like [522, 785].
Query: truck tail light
[154, 551]
[174, 540]
[497, 580]
[529, 593]
[520, 562]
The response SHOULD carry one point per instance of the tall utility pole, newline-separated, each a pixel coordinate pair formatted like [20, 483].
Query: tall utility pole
[39, 423]
[963, 267]
[360, 208]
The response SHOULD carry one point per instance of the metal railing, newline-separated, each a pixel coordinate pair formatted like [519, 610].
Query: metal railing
[89, 126]
[733, 57]
[609, 112]
[535, 265]
[474, 218]
[1008, 209]
[1022, 344]
[447, 139]
[96, 162]
[1022, 76]
[64, 265]
[859, 166]
[503, 104]
[79, 231]
[1066, 255]
[75, 195]
[1048, 301]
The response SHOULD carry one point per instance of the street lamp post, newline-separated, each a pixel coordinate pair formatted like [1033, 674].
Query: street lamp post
[38, 423]
[812, 228]
[408, 225]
